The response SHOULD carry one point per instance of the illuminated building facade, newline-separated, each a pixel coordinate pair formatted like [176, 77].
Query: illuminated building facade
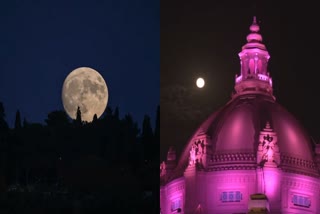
[252, 145]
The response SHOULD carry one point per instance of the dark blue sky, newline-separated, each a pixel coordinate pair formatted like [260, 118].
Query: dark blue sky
[41, 42]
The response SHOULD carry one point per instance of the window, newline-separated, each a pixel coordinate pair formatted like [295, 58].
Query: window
[301, 201]
[232, 196]
[175, 205]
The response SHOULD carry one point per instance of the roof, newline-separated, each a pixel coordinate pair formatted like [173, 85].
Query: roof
[235, 129]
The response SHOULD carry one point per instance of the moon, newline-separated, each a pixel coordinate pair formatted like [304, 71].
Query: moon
[86, 88]
[200, 82]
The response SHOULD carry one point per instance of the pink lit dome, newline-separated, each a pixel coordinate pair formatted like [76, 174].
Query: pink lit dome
[251, 146]
[234, 134]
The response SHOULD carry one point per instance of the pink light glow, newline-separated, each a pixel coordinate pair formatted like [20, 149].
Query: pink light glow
[233, 138]
[238, 79]
[263, 77]
[271, 179]
[236, 133]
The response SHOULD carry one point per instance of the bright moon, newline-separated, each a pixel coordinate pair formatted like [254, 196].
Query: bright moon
[86, 88]
[200, 82]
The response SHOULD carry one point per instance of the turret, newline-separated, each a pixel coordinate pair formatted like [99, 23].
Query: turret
[254, 76]
[166, 167]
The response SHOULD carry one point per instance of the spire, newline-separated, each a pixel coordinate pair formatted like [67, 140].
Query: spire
[254, 57]
[254, 37]
[267, 127]
[254, 26]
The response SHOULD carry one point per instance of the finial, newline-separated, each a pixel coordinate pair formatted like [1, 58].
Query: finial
[268, 125]
[254, 26]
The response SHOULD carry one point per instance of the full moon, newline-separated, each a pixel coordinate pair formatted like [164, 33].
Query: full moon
[200, 82]
[86, 88]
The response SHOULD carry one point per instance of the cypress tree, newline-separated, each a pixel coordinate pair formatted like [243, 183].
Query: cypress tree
[17, 122]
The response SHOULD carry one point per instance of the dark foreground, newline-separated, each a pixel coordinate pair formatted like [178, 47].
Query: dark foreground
[74, 203]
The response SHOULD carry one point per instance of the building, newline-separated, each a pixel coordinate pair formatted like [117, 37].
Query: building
[250, 156]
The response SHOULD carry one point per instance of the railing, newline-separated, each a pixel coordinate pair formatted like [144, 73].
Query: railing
[262, 77]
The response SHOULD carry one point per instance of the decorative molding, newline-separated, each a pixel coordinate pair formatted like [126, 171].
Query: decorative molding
[293, 161]
[300, 184]
[175, 188]
[233, 167]
[200, 151]
[239, 179]
[298, 166]
[234, 157]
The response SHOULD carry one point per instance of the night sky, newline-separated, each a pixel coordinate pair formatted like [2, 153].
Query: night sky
[204, 38]
[41, 42]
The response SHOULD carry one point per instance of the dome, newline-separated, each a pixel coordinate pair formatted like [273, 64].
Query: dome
[234, 130]
[249, 146]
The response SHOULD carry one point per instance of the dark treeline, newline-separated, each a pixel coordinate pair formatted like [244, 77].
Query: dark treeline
[69, 166]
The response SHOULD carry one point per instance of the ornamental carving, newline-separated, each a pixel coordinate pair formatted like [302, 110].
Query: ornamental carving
[268, 150]
[301, 184]
[234, 157]
[197, 152]
[179, 187]
[297, 162]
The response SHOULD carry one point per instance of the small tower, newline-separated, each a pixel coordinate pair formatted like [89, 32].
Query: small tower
[254, 57]
[166, 167]
[171, 160]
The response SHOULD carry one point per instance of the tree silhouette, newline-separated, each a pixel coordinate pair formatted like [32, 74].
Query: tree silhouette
[116, 113]
[147, 137]
[4, 162]
[25, 122]
[57, 118]
[95, 118]
[17, 123]
[3, 123]
[108, 112]
[147, 132]
[157, 127]
[48, 156]
[78, 117]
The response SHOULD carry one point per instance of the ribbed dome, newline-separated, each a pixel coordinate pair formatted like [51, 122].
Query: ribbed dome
[252, 129]
[239, 125]
[235, 129]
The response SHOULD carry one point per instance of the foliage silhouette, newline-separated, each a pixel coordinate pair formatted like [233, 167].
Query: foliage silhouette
[64, 161]
[3, 124]
[95, 118]
[78, 117]
[17, 123]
